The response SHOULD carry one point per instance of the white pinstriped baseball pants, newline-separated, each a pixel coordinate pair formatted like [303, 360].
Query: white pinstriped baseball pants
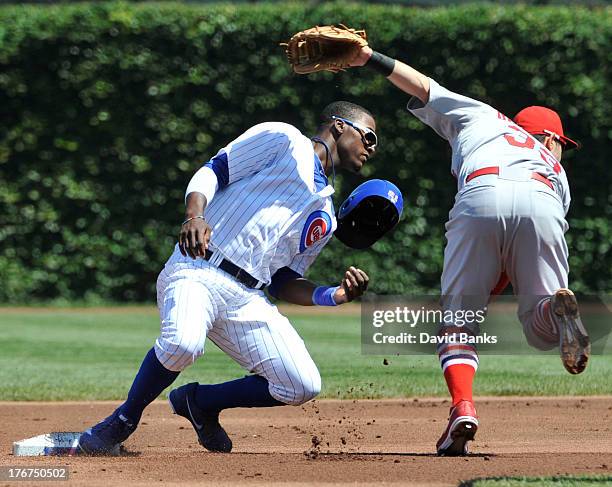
[197, 300]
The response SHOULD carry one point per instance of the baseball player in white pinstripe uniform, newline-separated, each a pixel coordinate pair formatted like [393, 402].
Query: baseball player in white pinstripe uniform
[507, 225]
[258, 213]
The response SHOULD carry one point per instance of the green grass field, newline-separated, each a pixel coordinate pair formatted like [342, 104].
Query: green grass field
[563, 481]
[92, 354]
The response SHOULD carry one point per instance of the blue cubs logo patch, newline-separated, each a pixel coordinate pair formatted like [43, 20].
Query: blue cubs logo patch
[318, 225]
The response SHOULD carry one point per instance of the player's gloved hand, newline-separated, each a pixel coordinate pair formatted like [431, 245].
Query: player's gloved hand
[194, 237]
[324, 48]
[353, 285]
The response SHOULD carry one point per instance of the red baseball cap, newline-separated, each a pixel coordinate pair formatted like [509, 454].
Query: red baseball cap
[543, 121]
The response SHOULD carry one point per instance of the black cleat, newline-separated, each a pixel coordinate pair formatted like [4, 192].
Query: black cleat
[211, 434]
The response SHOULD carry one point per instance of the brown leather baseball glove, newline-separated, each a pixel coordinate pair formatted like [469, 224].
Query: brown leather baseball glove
[326, 48]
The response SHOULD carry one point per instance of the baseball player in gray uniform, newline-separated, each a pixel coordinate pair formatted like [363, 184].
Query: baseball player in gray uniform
[257, 214]
[507, 225]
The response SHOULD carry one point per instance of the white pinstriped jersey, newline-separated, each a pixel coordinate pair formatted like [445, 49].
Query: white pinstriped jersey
[273, 207]
[480, 136]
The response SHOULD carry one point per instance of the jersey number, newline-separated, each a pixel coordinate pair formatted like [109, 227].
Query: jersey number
[528, 142]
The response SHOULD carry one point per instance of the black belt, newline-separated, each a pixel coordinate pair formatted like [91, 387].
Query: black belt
[236, 272]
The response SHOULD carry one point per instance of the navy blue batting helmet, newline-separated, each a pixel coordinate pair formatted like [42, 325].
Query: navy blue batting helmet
[369, 212]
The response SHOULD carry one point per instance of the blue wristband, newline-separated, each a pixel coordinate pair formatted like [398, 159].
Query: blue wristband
[324, 296]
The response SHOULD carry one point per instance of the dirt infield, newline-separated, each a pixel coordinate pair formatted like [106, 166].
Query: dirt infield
[362, 442]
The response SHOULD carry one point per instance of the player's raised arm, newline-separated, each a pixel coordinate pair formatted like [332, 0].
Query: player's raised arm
[405, 77]
[443, 110]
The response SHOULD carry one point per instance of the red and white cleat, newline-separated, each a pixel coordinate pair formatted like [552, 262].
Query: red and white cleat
[462, 427]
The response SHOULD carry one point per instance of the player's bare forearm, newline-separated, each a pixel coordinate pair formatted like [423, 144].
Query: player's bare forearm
[410, 81]
[297, 291]
[195, 205]
[195, 232]
[300, 291]
[405, 77]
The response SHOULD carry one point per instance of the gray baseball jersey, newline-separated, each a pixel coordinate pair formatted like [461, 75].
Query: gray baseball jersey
[480, 136]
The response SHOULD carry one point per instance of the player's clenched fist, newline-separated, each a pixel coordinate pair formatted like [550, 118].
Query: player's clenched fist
[194, 237]
[353, 285]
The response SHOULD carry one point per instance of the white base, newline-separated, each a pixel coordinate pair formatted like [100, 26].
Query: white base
[58, 443]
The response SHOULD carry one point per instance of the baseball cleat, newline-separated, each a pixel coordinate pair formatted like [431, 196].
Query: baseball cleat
[211, 434]
[106, 437]
[462, 426]
[574, 343]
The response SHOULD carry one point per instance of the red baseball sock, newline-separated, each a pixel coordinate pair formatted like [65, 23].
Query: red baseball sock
[459, 379]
